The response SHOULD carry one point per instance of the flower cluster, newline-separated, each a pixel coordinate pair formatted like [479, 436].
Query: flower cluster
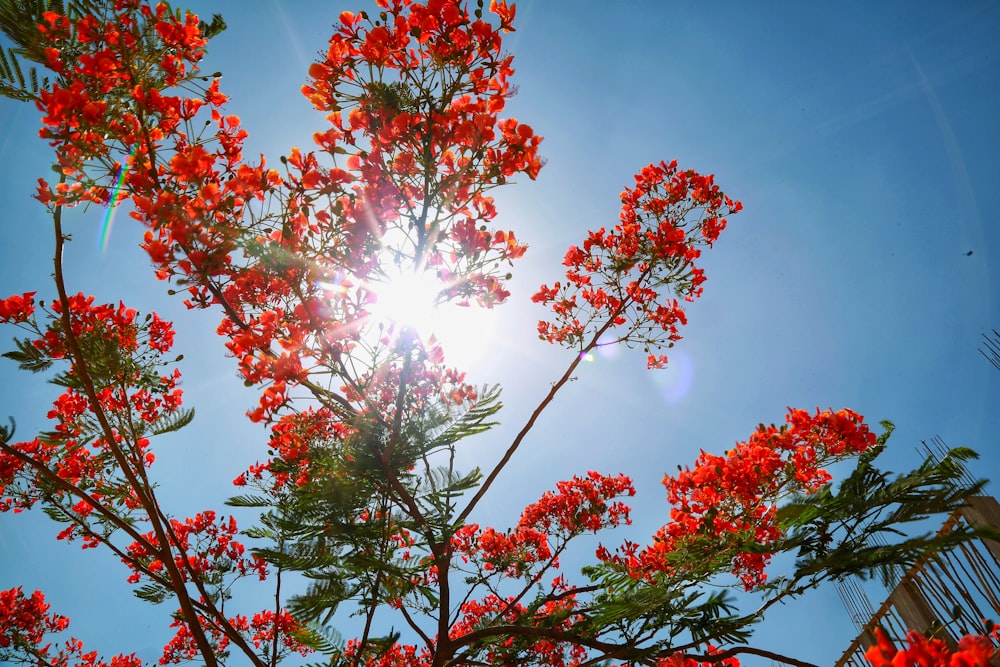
[293, 437]
[115, 128]
[423, 140]
[558, 616]
[26, 619]
[199, 545]
[124, 354]
[724, 502]
[110, 66]
[972, 651]
[17, 308]
[400, 176]
[395, 655]
[582, 504]
[515, 553]
[261, 630]
[682, 660]
[624, 284]
[24, 623]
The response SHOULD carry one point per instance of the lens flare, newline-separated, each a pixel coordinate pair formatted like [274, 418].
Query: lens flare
[407, 299]
[675, 381]
[113, 201]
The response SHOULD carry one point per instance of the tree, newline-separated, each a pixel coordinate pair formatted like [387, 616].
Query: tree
[359, 490]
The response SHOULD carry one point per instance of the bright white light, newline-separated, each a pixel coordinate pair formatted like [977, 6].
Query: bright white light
[410, 300]
[407, 300]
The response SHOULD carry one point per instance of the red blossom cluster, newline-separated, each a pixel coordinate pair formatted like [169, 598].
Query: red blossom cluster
[17, 308]
[107, 94]
[624, 284]
[259, 629]
[132, 395]
[24, 623]
[972, 651]
[724, 502]
[90, 467]
[200, 545]
[422, 142]
[108, 106]
[26, 619]
[579, 505]
[396, 655]
[401, 173]
[558, 616]
[682, 660]
[418, 176]
[293, 436]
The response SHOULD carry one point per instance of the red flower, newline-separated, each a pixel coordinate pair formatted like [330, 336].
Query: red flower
[972, 651]
[619, 283]
[17, 308]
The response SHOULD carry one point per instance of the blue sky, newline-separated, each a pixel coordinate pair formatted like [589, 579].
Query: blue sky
[860, 138]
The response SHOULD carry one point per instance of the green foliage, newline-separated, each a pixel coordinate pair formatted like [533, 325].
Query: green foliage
[396, 95]
[7, 434]
[173, 421]
[473, 422]
[859, 529]
[213, 27]
[324, 641]
[856, 530]
[315, 528]
[19, 20]
[28, 357]
[154, 593]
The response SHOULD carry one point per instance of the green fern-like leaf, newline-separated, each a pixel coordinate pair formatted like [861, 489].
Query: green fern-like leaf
[216, 26]
[858, 529]
[18, 21]
[320, 601]
[28, 357]
[248, 500]
[472, 422]
[7, 434]
[324, 640]
[173, 421]
[152, 593]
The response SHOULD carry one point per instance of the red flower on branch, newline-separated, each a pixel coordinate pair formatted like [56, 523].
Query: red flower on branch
[972, 651]
[17, 308]
[25, 622]
[724, 502]
[619, 284]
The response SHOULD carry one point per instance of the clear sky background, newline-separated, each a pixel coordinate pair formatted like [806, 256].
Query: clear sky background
[861, 137]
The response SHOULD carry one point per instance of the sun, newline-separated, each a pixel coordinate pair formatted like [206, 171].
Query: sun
[407, 299]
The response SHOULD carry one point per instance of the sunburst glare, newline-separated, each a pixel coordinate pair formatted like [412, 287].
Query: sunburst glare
[408, 299]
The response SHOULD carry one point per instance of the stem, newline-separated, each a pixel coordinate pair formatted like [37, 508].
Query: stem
[145, 494]
[625, 651]
[730, 652]
[553, 390]
[535, 579]
[277, 612]
[416, 628]
[370, 614]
